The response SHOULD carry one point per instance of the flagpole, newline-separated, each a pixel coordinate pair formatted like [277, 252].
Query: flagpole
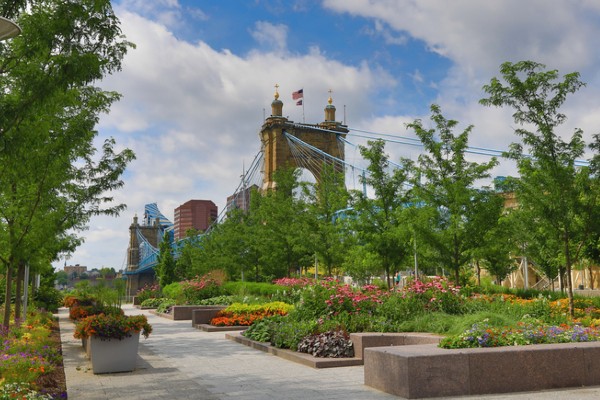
[303, 106]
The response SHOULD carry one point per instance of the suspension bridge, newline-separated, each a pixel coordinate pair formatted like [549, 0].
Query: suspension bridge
[283, 143]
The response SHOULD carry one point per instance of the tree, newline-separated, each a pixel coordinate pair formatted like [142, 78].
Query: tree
[283, 228]
[444, 186]
[325, 199]
[165, 267]
[51, 179]
[491, 235]
[557, 197]
[379, 225]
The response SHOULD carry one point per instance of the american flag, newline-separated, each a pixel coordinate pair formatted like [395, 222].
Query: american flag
[299, 102]
[298, 94]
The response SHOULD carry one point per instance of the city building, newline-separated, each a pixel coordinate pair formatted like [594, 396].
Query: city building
[75, 271]
[241, 199]
[194, 214]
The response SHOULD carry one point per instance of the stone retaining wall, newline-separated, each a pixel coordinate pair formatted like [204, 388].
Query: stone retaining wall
[205, 314]
[421, 371]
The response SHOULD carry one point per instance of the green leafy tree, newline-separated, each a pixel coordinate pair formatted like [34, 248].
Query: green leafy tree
[558, 198]
[165, 267]
[326, 233]
[282, 228]
[51, 179]
[379, 224]
[444, 187]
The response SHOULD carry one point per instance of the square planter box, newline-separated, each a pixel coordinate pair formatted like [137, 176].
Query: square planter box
[113, 355]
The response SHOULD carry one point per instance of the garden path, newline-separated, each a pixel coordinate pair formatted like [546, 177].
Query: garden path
[180, 362]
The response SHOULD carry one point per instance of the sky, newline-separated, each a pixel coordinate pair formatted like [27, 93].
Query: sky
[202, 77]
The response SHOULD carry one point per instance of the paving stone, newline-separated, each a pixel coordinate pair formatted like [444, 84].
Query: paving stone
[178, 361]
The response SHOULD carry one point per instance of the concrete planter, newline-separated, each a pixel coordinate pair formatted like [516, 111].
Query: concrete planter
[113, 355]
[425, 370]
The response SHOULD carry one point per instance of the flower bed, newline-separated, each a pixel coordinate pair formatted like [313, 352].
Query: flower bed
[112, 326]
[238, 314]
[482, 335]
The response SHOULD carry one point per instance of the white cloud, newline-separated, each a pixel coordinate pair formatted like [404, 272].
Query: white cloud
[271, 36]
[192, 113]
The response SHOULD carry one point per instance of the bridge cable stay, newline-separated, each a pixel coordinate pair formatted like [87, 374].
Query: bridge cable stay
[250, 176]
[399, 139]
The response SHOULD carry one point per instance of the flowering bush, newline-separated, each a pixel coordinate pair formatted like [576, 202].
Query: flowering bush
[148, 292]
[112, 326]
[294, 282]
[78, 312]
[200, 288]
[435, 294]
[21, 391]
[26, 356]
[483, 335]
[329, 298]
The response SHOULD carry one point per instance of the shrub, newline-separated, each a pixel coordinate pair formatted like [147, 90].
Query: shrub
[262, 289]
[262, 330]
[152, 303]
[289, 333]
[334, 344]
[148, 291]
[219, 300]
[165, 305]
[48, 298]
[200, 288]
[174, 291]
[79, 312]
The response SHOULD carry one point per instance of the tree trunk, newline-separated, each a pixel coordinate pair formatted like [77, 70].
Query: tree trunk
[7, 294]
[18, 290]
[478, 268]
[591, 271]
[569, 278]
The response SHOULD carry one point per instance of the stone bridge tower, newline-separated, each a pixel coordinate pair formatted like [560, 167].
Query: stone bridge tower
[276, 148]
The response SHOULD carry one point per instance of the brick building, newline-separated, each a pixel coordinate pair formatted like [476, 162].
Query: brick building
[194, 214]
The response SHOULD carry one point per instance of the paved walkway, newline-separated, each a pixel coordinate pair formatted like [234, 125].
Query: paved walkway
[180, 362]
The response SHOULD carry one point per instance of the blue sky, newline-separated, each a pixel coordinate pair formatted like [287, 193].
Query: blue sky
[202, 76]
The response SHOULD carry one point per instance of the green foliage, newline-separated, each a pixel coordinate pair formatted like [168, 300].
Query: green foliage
[48, 298]
[200, 288]
[56, 177]
[380, 225]
[218, 300]
[265, 289]
[152, 302]
[165, 268]
[165, 305]
[289, 332]
[263, 330]
[148, 292]
[444, 189]
[174, 290]
[558, 200]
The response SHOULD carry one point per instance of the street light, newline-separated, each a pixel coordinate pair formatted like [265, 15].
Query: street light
[8, 29]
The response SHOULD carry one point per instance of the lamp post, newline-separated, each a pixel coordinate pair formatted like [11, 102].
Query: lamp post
[8, 29]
